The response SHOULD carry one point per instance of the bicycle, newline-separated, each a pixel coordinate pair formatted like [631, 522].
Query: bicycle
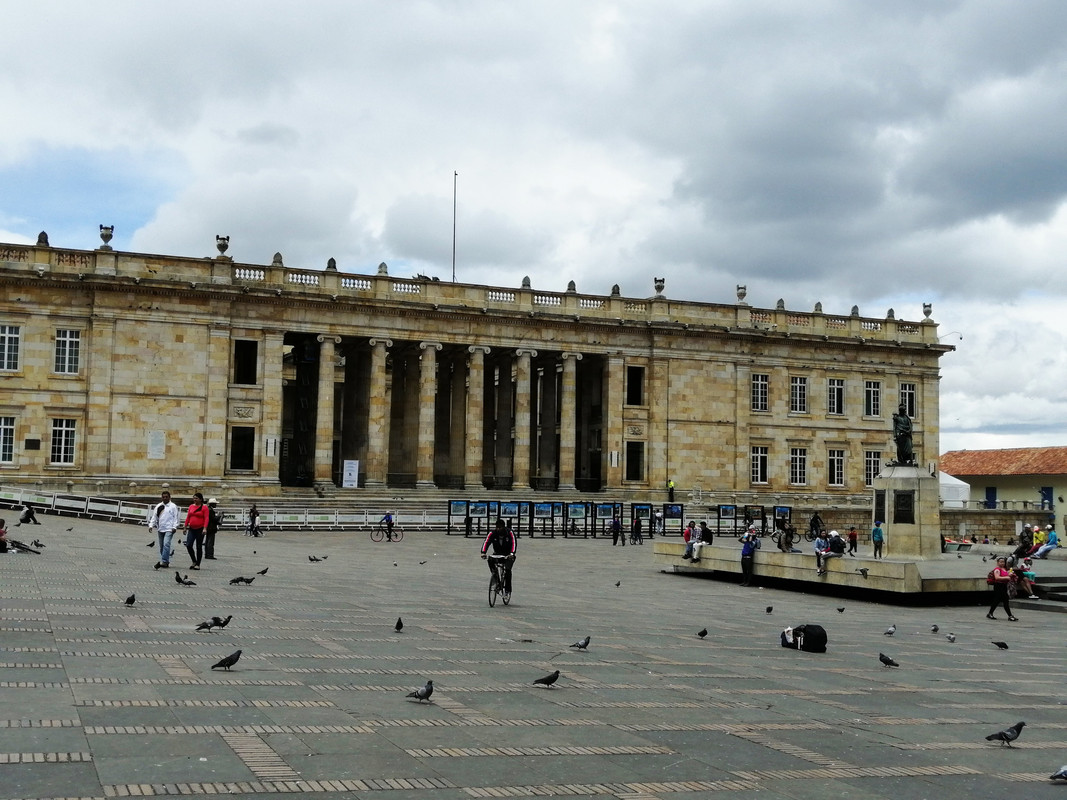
[496, 580]
[383, 532]
[636, 537]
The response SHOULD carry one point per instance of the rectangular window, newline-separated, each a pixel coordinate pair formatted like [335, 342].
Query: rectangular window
[761, 392]
[835, 467]
[835, 396]
[872, 398]
[245, 362]
[242, 447]
[798, 466]
[759, 464]
[907, 398]
[872, 465]
[7, 440]
[63, 441]
[635, 386]
[68, 348]
[635, 461]
[798, 395]
[9, 347]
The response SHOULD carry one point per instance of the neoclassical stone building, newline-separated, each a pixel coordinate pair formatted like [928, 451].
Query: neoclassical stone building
[119, 368]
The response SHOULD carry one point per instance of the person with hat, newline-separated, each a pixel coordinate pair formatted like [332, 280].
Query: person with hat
[835, 548]
[214, 521]
[1052, 541]
[877, 538]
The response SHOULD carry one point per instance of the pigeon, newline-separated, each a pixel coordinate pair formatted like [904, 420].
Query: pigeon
[887, 661]
[618, 584]
[770, 609]
[1008, 735]
[177, 577]
[890, 630]
[951, 637]
[248, 581]
[399, 625]
[70, 529]
[863, 571]
[701, 633]
[422, 562]
[395, 564]
[983, 559]
[958, 555]
[1001, 645]
[934, 629]
[228, 662]
[325, 557]
[423, 693]
[1060, 773]
[841, 610]
[548, 680]
[185, 581]
[222, 623]
[314, 558]
[583, 644]
[37, 543]
[131, 599]
[150, 544]
[235, 581]
[263, 571]
[206, 626]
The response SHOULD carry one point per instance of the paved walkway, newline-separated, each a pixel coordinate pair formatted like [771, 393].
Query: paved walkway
[101, 700]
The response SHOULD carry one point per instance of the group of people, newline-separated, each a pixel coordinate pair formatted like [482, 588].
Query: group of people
[695, 539]
[202, 521]
[1010, 578]
[1036, 542]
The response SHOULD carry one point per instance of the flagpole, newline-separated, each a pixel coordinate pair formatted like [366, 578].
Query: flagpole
[455, 178]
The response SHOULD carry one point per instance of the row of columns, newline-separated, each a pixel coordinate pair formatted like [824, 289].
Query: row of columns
[380, 402]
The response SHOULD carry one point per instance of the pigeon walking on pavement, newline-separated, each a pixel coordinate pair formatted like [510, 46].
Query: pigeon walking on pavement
[887, 661]
[951, 637]
[583, 644]
[890, 630]
[1001, 645]
[548, 680]
[423, 693]
[1008, 735]
[934, 629]
[263, 571]
[1061, 773]
[222, 623]
[399, 625]
[131, 599]
[227, 662]
[206, 626]
[701, 633]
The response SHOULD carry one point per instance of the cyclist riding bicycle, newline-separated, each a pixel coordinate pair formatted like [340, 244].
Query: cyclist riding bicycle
[503, 542]
[388, 521]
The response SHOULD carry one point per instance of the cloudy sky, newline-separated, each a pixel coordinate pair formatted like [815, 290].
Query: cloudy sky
[874, 154]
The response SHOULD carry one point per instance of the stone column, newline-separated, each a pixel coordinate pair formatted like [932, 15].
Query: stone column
[378, 416]
[273, 362]
[567, 421]
[216, 398]
[324, 412]
[520, 469]
[425, 437]
[98, 374]
[612, 404]
[475, 422]
[457, 420]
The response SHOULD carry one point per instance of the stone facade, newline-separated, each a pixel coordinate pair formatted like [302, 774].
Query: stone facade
[132, 368]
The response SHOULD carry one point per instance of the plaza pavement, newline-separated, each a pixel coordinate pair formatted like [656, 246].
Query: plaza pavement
[100, 700]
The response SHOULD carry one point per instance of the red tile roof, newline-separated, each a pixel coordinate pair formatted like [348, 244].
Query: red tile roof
[1017, 461]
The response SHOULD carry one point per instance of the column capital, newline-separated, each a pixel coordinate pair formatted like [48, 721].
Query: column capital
[479, 348]
[325, 337]
[526, 351]
[567, 354]
[387, 343]
[428, 345]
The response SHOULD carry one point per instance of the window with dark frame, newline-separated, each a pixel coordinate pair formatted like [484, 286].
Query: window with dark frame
[835, 396]
[246, 362]
[635, 386]
[242, 447]
[635, 461]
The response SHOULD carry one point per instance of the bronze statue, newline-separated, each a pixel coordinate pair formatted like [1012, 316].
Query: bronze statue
[902, 436]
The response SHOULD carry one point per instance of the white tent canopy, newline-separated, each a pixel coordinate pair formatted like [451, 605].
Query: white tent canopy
[954, 492]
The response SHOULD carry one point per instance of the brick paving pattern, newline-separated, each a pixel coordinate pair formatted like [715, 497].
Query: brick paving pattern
[98, 700]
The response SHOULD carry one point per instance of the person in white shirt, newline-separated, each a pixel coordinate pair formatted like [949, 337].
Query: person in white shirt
[163, 521]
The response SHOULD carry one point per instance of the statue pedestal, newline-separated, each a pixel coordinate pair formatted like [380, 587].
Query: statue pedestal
[912, 515]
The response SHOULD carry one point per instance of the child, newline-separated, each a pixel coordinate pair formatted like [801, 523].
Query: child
[853, 540]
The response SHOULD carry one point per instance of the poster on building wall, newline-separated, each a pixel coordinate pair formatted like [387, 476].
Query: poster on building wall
[350, 474]
[157, 445]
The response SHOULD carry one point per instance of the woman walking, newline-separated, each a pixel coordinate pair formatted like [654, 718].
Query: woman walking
[195, 523]
[1000, 577]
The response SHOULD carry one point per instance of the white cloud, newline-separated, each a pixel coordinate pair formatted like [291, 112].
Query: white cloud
[872, 154]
